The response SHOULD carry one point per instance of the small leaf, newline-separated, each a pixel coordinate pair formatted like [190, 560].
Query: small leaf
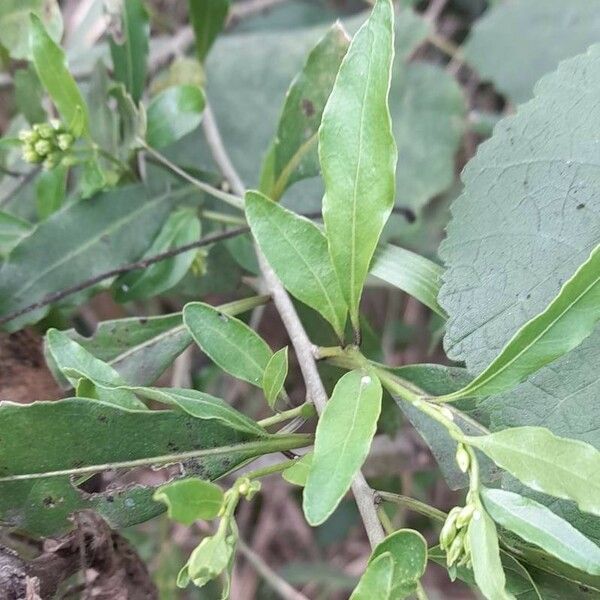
[297, 474]
[29, 94]
[274, 376]
[408, 550]
[75, 362]
[297, 250]
[190, 500]
[537, 524]
[50, 191]
[547, 463]
[562, 326]
[342, 442]
[50, 64]
[207, 19]
[358, 154]
[181, 227]
[411, 273]
[485, 555]
[377, 580]
[229, 342]
[129, 48]
[173, 113]
[293, 155]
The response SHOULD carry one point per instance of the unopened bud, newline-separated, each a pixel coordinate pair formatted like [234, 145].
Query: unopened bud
[55, 124]
[28, 136]
[31, 156]
[45, 130]
[465, 515]
[52, 160]
[43, 147]
[64, 141]
[463, 458]
[448, 532]
[456, 549]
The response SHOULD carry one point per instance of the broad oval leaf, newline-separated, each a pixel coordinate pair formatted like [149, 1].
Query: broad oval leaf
[129, 47]
[207, 19]
[342, 441]
[274, 375]
[190, 500]
[173, 113]
[562, 326]
[408, 550]
[297, 250]
[485, 555]
[537, 524]
[181, 227]
[294, 150]
[50, 64]
[411, 273]
[377, 580]
[559, 467]
[358, 155]
[229, 342]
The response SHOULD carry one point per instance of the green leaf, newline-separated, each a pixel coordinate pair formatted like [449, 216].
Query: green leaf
[294, 149]
[50, 64]
[408, 550]
[79, 432]
[561, 327]
[78, 242]
[174, 113]
[75, 363]
[343, 438]
[181, 227]
[190, 500]
[207, 19]
[129, 48]
[15, 24]
[12, 230]
[560, 467]
[539, 525]
[50, 190]
[377, 580]
[297, 474]
[548, 31]
[297, 250]
[358, 154]
[29, 93]
[409, 272]
[229, 342]
[104, 120]
[274, 375]
[485, 555]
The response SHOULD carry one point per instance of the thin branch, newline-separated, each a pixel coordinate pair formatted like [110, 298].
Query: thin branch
[275, 582]
[304, 348]
[134, 266]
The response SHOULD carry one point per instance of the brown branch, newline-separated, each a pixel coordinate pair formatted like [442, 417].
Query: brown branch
[134, 266]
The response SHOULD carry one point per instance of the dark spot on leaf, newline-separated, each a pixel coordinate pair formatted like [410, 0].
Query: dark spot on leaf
[110, 498]
[528, 296]
[48, 502]
[308, 108]
[580, 206]
[103, 419]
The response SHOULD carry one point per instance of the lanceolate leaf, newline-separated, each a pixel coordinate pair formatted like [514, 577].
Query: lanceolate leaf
[539, 525]
[297, 250]
[174, 113]
[358, 154]
[274, 376]
[229, 342]
[50, 64]
[408, 550]
[207, 18]
[78, 242]
[377, 581]
[342, 442]
[129, 48]
[547, 463]
[294, 150]
[566, 322]
[411, 273]
[485, 555]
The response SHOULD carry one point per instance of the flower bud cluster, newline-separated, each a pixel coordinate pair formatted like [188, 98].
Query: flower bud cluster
[46, 143]
[454, 538]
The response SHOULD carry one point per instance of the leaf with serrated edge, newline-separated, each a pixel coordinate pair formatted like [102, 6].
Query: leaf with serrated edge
[358, 155]
[342, 441]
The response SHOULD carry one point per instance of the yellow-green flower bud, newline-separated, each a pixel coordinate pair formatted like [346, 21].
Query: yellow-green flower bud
[463, 458]
[31, 156]
[44, 130]
[456, 549]
[52, 160]
[448, 532]
[64, 141]
[43, 147]
[465, 515]
[55, 124]
[28, 136]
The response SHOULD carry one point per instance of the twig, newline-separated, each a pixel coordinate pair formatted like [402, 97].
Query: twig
[277, 583]
[304, 349]
[134, 266]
